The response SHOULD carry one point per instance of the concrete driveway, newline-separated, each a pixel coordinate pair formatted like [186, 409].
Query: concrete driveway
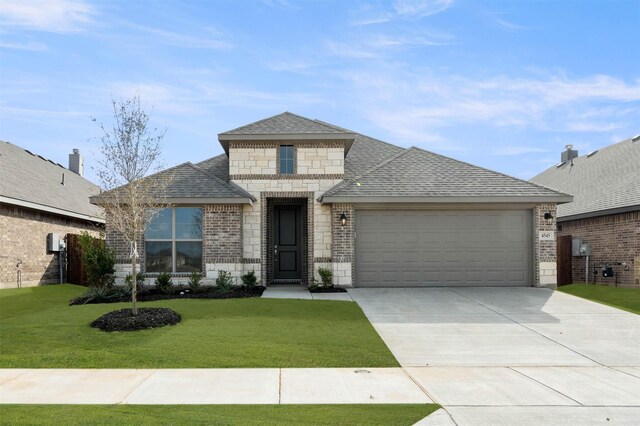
[486, 353]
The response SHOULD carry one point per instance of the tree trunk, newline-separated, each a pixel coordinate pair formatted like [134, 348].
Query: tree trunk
[134, 279]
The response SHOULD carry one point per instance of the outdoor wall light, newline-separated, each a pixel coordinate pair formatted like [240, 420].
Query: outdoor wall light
[343, 219]
[548, 216]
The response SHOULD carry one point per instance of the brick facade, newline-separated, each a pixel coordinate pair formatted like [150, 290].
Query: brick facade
[544, 252]
[222, 233]
[23, 234]
[613, 239]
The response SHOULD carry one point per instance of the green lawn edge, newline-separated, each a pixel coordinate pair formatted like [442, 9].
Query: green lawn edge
[40, 330]
[322, 414]
[625, 298]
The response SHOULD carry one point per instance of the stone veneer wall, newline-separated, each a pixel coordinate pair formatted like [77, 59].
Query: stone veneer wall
[255, 220]
[545, 267]
[312, 159]
[613, 238]
[23, 235]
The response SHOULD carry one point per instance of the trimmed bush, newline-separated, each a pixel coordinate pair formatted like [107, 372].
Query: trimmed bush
[194, 280]
[249, 280]
[326, 275]
[98, 260]
[164, 283]
[224, 281]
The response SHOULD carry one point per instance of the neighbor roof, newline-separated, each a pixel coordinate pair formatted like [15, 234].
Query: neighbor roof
[32, 181]
[603, 182]
[286, 126]
[416, 175]
[189, 183]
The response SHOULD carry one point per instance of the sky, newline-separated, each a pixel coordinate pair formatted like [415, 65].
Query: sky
[501, 84]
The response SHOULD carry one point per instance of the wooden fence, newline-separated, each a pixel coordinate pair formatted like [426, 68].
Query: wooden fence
[76, 273]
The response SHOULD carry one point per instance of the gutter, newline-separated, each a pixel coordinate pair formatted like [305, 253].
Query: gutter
[444, 199]
[49, 209]
[587, 215]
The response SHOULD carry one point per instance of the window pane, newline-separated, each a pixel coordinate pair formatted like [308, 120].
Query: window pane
[159, 227]
[158, 256]
[189, 256]
[188, 223]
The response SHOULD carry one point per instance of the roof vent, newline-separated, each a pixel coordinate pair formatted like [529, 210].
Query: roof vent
[562, 163]
[592, 153]
[636, 138]
[76, 162]
[569, 154]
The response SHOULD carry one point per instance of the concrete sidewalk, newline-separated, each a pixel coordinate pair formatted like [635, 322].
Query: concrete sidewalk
[210, 386]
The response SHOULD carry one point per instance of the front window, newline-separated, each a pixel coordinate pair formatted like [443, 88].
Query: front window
[286, 159]
[173, 241]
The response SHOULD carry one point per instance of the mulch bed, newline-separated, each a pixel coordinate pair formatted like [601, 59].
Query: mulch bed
[124, 320]
[327, 290]
[151, 294]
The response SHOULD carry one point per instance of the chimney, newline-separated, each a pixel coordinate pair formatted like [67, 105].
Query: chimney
[76, 162]
[569, 154]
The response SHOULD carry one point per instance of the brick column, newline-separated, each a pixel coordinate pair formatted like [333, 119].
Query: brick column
[544, 264]
[342, 245]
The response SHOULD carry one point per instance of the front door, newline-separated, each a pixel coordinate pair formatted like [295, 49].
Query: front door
[287, 239]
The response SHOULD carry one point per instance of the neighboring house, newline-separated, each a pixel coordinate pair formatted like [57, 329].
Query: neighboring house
[291, 194]
[605, 212]
[39, 197]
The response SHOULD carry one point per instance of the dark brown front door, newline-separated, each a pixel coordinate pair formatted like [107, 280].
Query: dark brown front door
[287, 238]
[564, 270]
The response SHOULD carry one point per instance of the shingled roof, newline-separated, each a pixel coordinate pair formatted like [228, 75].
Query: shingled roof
[287, 123]
[603, 182]
[32, 181]
[416, 175]
[189, 183]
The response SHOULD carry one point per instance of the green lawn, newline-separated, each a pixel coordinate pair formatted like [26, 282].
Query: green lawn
[373, 414]
[38, 329]
[618, 297]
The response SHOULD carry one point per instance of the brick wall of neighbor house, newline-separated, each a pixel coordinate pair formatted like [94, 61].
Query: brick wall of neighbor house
[23, 236]
[613, 239]
[544, 252]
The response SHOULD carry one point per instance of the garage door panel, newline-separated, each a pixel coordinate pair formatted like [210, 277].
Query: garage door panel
[451, 248]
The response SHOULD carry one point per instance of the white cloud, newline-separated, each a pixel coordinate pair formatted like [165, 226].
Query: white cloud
[61, 16]
[421, 8]
[210, 40]
[407, 9]
[518, 150]
[29, 45]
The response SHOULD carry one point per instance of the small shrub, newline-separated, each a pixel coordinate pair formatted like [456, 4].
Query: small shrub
[99, 261]
[139, 282]
[224, 281]
[249, 280]
[164, 283]
[101, 294]
[194, 280]
[326, 276]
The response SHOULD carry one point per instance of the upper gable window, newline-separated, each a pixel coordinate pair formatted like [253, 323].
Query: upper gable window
[287, 160]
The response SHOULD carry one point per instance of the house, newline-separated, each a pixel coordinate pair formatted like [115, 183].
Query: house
[39, 197]
[605, 212]
[291, 194]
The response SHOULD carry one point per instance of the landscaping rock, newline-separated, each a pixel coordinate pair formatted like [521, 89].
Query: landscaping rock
[124, 320]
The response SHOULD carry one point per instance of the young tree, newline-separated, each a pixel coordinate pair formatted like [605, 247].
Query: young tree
[130, 152]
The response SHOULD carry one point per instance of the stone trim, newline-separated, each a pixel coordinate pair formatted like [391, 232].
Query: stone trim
[286, 177]
[315, 143]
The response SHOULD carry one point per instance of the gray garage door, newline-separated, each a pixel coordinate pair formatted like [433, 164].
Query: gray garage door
[408, 248]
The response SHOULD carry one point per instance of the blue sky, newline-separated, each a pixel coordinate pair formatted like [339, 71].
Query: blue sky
[504, 85]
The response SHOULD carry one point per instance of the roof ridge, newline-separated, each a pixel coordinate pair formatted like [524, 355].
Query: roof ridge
[384, 162]
[486, 169]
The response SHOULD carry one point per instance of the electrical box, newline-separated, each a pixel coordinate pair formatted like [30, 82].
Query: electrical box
[585, 250]
[607, 272]
[576, 243]
[53, 242]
